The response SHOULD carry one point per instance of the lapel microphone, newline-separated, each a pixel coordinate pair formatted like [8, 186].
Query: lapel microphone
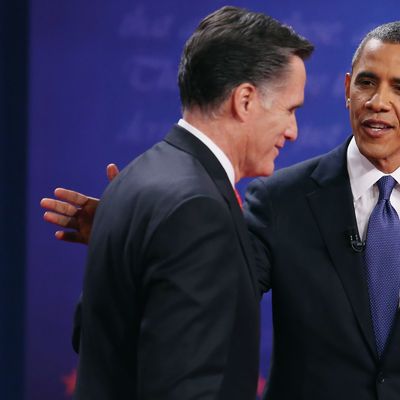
[354, 240]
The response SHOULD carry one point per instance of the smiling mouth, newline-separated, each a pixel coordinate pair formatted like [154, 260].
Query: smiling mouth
[376, 127]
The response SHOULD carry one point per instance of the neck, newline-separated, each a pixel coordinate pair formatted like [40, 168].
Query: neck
[385, 166]
[222, 131]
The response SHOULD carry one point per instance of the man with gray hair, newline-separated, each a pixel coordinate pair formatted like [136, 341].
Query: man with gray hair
[332, 257]
[170, 306]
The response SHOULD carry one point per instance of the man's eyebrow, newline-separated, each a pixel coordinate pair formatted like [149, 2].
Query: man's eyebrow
[396, 81]
[371, 75]
[366, 74]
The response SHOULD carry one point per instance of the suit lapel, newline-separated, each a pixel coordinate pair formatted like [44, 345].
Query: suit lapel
[332, 207]
[180, 138]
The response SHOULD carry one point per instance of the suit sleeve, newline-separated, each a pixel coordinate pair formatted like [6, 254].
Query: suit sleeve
[259, 218]
[189, 290]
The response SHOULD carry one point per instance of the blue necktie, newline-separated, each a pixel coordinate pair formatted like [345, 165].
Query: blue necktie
[382, 259]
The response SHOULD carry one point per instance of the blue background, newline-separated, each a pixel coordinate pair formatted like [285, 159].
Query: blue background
[102, 88]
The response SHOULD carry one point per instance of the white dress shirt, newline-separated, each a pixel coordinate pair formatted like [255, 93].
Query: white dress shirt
[218, 153]
[363, 177]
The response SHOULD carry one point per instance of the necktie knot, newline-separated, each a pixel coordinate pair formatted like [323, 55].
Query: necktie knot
[385, 186]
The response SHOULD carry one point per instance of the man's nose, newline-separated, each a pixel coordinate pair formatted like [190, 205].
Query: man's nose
[380, 100]
[291, 131]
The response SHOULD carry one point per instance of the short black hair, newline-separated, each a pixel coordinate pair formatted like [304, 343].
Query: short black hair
[232, 46]
[386, 33]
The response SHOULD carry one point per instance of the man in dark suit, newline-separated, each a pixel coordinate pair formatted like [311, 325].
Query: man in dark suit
[314, 241]
[310, 226]
[170, 299]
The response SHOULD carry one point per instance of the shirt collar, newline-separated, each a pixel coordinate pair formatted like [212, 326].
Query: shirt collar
[218, 153]
[362, 172]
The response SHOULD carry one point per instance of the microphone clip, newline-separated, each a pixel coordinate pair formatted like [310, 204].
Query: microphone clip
[355, 242]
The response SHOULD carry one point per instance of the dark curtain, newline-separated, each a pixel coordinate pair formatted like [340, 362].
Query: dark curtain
[13, 157]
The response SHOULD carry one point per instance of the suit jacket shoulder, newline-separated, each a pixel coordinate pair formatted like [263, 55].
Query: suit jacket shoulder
[321, 170]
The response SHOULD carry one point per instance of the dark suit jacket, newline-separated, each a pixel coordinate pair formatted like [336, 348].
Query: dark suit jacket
[169, 307]
[324, 346]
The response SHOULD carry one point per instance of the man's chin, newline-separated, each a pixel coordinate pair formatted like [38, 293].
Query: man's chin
[269, 169]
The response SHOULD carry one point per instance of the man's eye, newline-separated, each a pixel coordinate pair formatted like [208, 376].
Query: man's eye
[365, 82]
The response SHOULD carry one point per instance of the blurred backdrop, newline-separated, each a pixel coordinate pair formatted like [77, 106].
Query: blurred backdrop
[88, 83]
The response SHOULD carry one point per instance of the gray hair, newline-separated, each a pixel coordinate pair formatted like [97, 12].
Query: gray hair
[386, 33]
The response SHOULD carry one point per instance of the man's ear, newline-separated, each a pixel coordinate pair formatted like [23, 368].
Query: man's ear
[347, 81]
[243, 99]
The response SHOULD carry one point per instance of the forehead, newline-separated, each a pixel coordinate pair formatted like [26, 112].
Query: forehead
[380, 58]
[294, 81]
[296, 70]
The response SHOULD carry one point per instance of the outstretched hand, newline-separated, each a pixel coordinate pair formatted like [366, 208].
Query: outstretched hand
[74, 211]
